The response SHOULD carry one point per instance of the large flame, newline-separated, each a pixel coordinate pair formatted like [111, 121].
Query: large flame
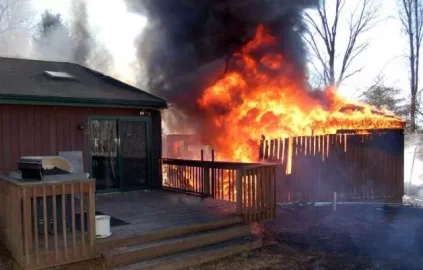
[262, 93]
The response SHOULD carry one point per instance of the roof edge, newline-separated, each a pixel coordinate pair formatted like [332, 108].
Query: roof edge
[122, 83]
[80, 102]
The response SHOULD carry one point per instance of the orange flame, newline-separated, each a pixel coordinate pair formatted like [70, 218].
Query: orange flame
[263, 94]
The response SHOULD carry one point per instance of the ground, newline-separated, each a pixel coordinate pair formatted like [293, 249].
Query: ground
[315, 237]
[353, 237]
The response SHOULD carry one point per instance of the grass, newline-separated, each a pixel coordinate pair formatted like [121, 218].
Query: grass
[282, 256]
[362, 237]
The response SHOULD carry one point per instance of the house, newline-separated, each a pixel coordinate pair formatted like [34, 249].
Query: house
[52, 107]
[113, 131]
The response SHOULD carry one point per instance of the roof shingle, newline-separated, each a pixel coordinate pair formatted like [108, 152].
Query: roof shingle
[23, 77]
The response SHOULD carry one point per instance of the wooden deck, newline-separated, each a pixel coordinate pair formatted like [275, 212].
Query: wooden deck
[158, 213]
[156, 227]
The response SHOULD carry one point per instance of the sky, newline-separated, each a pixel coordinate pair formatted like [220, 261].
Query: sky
[118, 28]
[112, 25]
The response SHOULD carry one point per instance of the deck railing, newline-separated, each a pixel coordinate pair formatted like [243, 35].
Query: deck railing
[256, 192]
[45, 224]
[250, 186]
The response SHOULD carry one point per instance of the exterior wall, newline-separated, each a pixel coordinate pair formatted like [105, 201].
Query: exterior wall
[156, 147]
[46, 130]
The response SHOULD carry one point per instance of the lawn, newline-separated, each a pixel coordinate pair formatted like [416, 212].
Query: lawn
[353, 237]
[315, 237]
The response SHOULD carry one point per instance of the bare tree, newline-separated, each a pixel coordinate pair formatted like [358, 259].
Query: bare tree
[52, 40]
[411, 16]
[56, 41]
[16, 19]
[14, 14]
[324, 30]
[100, 58]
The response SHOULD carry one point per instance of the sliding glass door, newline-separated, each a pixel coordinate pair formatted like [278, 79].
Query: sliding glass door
[134, 159]
[120, 153]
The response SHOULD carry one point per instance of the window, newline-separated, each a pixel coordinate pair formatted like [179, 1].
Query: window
[59, 75]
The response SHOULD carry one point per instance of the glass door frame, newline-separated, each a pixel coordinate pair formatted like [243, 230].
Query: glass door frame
[118, 119]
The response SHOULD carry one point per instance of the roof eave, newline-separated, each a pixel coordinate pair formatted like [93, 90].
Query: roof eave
[81, 102]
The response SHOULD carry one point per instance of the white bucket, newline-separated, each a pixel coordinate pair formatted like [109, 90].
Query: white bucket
[102, 226]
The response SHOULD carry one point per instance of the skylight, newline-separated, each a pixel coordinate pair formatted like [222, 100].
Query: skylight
[59, 75]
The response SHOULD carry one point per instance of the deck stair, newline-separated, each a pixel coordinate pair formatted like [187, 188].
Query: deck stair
[180, 248]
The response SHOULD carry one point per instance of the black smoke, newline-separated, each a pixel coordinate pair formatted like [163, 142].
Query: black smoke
[187, 43]
[81, 32]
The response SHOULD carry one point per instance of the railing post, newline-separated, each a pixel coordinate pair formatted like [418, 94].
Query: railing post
[206, 177]
[91, 216]
[206, 180]
[238, 192]
[213, 176]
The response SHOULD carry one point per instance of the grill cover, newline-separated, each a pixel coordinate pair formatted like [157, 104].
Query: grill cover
[34, 167]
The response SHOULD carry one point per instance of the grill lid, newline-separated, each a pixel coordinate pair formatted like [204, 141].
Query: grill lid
[44, 163]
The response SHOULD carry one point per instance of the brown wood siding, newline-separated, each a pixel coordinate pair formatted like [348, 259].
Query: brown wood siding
[356, 167]
[46, 130]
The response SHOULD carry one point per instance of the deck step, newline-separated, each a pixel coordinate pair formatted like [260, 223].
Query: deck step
[107, 244]
[199, 255]
[142, 252]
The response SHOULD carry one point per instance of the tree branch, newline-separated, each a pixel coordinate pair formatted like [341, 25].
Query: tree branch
[362, 19]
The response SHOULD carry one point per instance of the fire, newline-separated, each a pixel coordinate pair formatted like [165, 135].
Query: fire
[262, 93]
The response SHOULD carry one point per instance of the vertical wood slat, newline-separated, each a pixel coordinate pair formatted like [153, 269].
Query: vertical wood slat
[400, 164]
[18, 222]
[27, 225]
[9, 205]
[244, 191]
[73, 219]
[273, 202]
[45, 221]
[271, 190]
[254, 194]
[260, 204]
[56, 247]
[266, 197]
[65, 237]
[26, 245]
[35, 218]
[222, 174]
[81, 205]
[91, 215]
[357, 152]
[229, 185]
[190, 180]
[250, 194]
[239, 192]
[258, 199]
[263, 191]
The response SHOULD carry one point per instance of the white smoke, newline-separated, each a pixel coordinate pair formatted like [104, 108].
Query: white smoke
[413, 165]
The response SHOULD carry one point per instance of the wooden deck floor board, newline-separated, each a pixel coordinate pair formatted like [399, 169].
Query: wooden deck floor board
[154, 211]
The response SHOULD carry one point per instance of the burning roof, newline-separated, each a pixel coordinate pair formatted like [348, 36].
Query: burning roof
[263, 94]
[260, 88]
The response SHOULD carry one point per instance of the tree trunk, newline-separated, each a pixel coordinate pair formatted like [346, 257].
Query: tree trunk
[412, 36]
[413, 126]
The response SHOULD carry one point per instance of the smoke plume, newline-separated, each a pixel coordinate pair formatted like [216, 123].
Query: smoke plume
[58, 40]
[187, 45]
[81, 32]
[16, 19]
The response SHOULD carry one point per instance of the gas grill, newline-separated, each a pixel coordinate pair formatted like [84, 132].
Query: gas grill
[34, 168]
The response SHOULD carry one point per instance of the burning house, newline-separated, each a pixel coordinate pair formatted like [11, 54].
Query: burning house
[246, 98]
[249, 81]
[251, 101]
